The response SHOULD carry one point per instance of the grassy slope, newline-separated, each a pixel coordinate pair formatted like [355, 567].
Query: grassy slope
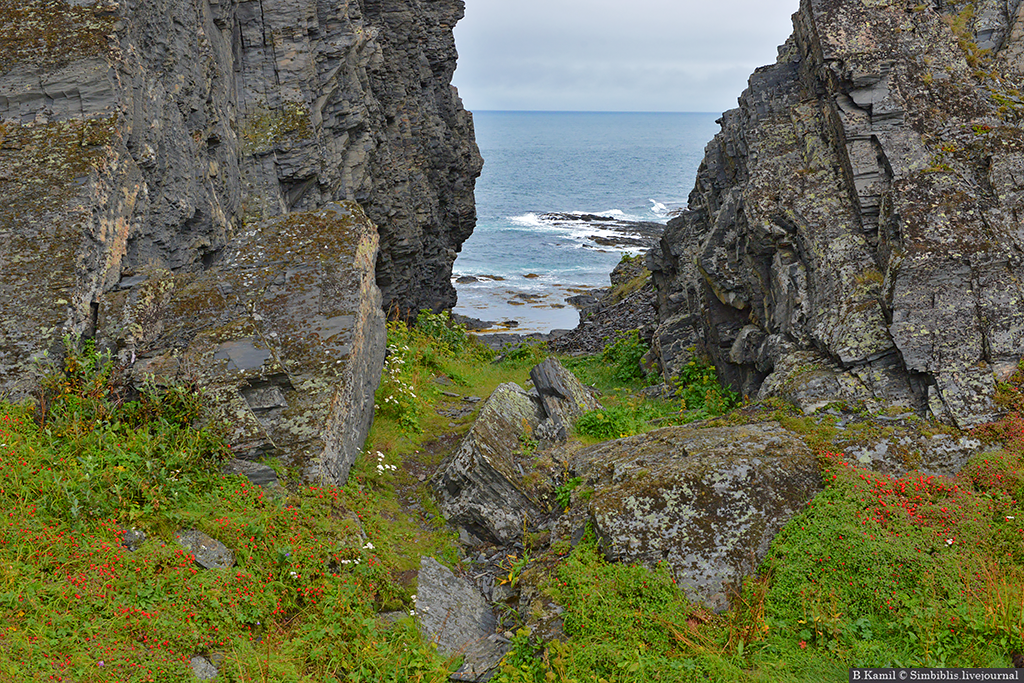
[878, 571]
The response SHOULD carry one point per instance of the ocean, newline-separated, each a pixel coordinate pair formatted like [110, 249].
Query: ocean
[521, 263]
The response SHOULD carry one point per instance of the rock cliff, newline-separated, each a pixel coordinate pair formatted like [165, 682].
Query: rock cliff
[854, 229]
[145, 136]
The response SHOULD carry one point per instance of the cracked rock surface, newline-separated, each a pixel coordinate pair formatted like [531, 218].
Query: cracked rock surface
[141, 136]
[853, 234]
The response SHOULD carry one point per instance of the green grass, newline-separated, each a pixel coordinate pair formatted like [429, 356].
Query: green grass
[299, 605]
[877, 571]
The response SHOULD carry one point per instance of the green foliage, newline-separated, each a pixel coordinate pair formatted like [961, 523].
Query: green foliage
[118, 456]
[623, 623]
[563, 493]
[449, 337]
[903, 571]
[396, 397]
[301, 602]
[698, 388]
[525, 354]
[623, 355]
[634, 416]
[513, 567]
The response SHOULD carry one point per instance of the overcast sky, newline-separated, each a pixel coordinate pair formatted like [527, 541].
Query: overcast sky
[613, 55]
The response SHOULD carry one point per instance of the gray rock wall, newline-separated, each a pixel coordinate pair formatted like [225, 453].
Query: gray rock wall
[142, 135]
[853, 233]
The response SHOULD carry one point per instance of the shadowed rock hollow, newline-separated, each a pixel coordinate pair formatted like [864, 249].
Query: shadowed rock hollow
[854, 229]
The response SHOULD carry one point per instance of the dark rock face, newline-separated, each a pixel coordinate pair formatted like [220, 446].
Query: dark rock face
[563, 398]
[853, 234]
[607, 314]
[480, 486]
[147, 135]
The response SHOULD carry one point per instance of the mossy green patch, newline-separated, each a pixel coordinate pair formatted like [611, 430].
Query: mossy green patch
[52, 33]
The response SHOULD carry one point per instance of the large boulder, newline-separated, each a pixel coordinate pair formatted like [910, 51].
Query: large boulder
[707, 501]
[142, 135]
[563, 397]
[284, 334]
[483, 486]
[853, 232]
[491, 485]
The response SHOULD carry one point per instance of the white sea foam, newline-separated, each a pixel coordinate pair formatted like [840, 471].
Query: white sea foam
[529, 220]
[658, 209]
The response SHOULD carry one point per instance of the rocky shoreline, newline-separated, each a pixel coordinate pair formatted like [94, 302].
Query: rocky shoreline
[605, 312]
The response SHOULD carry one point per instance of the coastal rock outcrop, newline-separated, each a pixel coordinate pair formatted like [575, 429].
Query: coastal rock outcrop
[708, 501]
[490, 485]
[142, 136]
[284, 333]
[854, 233]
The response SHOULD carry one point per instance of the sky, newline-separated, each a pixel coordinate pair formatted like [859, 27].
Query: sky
[615, 55]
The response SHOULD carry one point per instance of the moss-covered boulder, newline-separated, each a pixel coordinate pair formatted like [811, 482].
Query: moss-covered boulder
[707, 501]
[284, 333]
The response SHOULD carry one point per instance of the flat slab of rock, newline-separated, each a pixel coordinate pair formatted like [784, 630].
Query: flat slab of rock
[707, 501]
[203, 668]
[258, 474]
[454, 615]
[209, 552]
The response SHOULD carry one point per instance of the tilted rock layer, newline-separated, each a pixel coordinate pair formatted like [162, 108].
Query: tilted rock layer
[146, 135]
[854, 231]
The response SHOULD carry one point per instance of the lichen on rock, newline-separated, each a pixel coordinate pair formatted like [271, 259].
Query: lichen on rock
[855, 213]
[706, 501]
[285, 333]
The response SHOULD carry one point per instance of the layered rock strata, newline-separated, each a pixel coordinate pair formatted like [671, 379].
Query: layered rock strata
[139, 136]
[491, 485]
[285, 334]
[854, 232]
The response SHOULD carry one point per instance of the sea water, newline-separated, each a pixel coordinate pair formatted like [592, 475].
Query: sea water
[632, 166]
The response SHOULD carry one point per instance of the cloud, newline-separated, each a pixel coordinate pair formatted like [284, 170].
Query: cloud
[649, 55]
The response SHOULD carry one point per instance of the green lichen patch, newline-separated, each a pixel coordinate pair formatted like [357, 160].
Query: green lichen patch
[51, 33]
[39, 162]
[266, 128]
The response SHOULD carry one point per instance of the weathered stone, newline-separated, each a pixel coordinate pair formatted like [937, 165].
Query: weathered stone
[562, 396]
[907, 449]
[209, 552]
[258, 474]
[707, 501]
[133, 538]
[203, 668]
[480, 486]
[454, 615]
[859, 209]
[147, 136]
[285, 333]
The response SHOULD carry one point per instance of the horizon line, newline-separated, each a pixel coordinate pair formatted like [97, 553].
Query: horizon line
[584, 111]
